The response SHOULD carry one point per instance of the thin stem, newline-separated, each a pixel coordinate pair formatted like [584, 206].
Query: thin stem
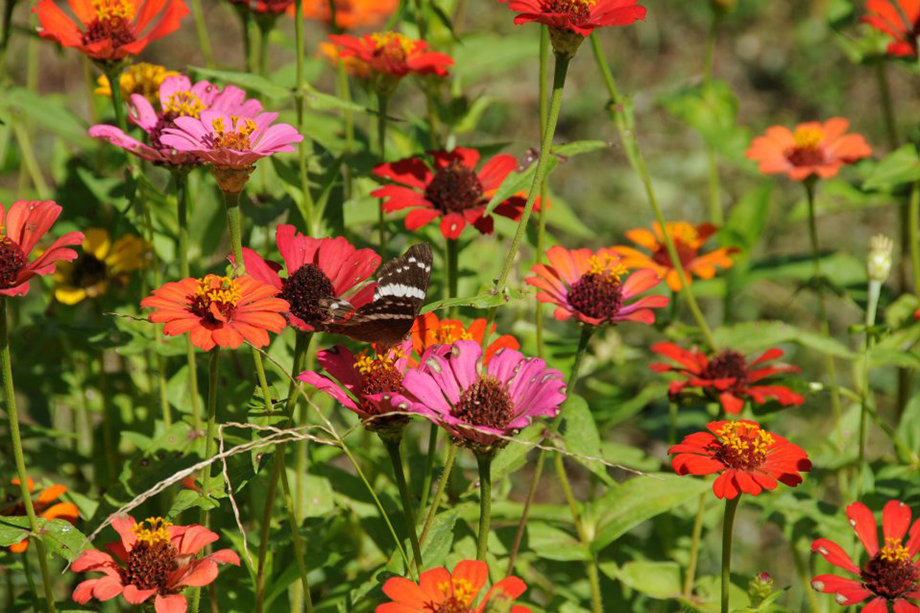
[308, 212]
[637, 161]
[484, 460]
[382, 102]
[805, 577]
[429, 466]
[453, 271]
[295, 535]
[27, 570]
[690, 578]
[183, 198]
[712, 160]
[586, 333]
[913, 225]
[709, 54]
[541, 219]
[343, 89]
[884, 90]
[866, 393]
[265, 27]
[442, 488]
[392, 446]
[29, 161]
[9, 399]
[213, 364]
[232, 204]
[204, 39]
[731, 505]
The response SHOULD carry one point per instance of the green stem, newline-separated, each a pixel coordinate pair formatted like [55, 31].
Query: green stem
[343, 89]
[9, 399]
[913, 225]
[541, 218]
[204, 39]
[308, 210]
[110, 446]
[712, 160]
[392, 446]
[690, 578]
[27, 570]
[232, 204]
[884, 89]
[113, 74]
[442, 488]
[29, 161]
[453, 271]
[484, 460]
[295, 534]
[709, 53]
[382, 102]
[429, 466]
[866, 395]
[637, 161]
[728, 523]
[213, 363]
[183, 197]
[586, 333]
[265, 25]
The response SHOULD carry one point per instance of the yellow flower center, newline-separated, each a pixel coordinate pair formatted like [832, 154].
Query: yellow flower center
[894, 551]
[221, 292]
[458, 588]
[683, 232]
[152, 531]
[808, 137]
[235, 137]
[141, 78]
[184, 104]
[606, 267]
[447, 333]
[367, 365]
[393, 45]
[743, 445]
[110, 10]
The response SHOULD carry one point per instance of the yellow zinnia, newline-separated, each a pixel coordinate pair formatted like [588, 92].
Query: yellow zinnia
[101, 264]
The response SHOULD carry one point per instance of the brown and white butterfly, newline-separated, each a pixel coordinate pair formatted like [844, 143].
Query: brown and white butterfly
[402, 285]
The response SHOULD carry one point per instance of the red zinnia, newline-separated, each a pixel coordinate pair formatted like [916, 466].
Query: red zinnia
[428, 331]
[899, 19]
[42, 504]
[389, 56]
[21, 228]
[439, 590]
[111, 29]
[590, 286]
[748, 458]
[317, 269]
[218, 310]
[727, 376]
[449, 188]
[814, 149]
[891, 575]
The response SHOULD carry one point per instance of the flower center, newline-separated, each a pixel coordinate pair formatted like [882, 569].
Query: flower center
[599, 293]
[728, 365]
[454, 188]
[112, 22]
[215, 298]
[380, 374]
[891, 573]
[458, 594]
[485, 403]
[88, 271]
[153, 558]
[685, 239]
[742, 446]
[12, 260]
[392, 46]
[184, 104]
[448, 333]
[806, 151]
[237, 137]
[580, 9]
[304, 289]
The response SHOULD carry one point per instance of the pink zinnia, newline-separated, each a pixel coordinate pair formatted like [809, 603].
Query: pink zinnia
[21, 228]
[158, 562]
[316, 269]
[178, 98]
[481, 404]
[230, 142]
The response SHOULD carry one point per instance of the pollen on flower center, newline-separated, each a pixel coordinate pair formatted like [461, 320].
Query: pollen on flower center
[393, 46]
[485, 403]
[685, 239]
[215, 298]
[112, 22]
[599, 292]
[304, 289]
[447, 334]
[806, 151]
[183, 104]
[454, 188]
[728, 365]
[890, 573]
[380, 372]
[458, 594]
[742, 446]
[153, 558]
[12, 260]
[236, 137]
[580, 9]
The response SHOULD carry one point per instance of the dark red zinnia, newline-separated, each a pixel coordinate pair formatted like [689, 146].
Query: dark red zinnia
[726, 376]
[579, 16]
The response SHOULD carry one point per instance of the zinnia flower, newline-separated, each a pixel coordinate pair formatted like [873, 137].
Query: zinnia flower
[218, 310]
[21, 228]
[101, 264]
[439, 590]
[428, 331]
[590, 286]
[450, 189]
[814, 149]
[387, 57]
[570, 21]
[482, 404]
[266, 7]
[365, 384]
[157, 560]
[727, 376]
[891, 575]
[688, 240]
[747, 458]
[899, 20]
[109, 30]
[178, 97]
[317, 269]
[42, 504]
[350, 14]
[142, 78]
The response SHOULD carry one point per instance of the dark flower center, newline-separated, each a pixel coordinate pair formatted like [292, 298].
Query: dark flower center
[891, 573]
[380, 373]
[116, 29]
[685, 238]
[807, 150]
[485, 403]
[88, 271]
[728, 365]
[741, 446]
[304, 289]
[451, 605]
[166, 120]
[579, 10]
[597, 295]
[12, 261]
[454, 188]
[220, 293]
[153, 558]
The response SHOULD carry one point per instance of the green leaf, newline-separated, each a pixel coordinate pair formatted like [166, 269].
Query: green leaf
[554, 544]
[747, 219]
[900, 166]
[47, 112]
[579, 431]
[13, 530]
[711, 109]
[518, 181]
[242, 79]
[59, 536]
[629, 504]
[660, 580]
[440, 538]
[756, 335]
[320, 101]
[481, 301]
[514, 456]
[578, 147]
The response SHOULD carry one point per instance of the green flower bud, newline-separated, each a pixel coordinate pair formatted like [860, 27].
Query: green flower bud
[759, 587]
[878, 263]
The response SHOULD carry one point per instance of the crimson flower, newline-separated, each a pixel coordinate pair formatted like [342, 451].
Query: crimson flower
[747, 458]
[449, 188]
[891, 575]
[317, 269]
[21, 227]
[590, 286]
[899, 20]
[157, 561]
[109, 30]
[727, 376]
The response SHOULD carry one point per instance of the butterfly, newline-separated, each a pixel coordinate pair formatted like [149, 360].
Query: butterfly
[402, 285]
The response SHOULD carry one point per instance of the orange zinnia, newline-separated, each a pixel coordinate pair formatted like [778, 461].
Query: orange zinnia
[813, 149]
[218, 310]
[688, 240]
[428, 330]
[350, 14]
[42, 504]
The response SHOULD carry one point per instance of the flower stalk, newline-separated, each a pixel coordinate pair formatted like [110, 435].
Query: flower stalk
[383, 100]
[392, 445]
[541, 220]
[728, 523]
[183, 197]
[307, 211]
[484, 461]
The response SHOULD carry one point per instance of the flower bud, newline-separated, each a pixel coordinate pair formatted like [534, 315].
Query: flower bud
[878, 262]
[759, 587]
[565, 42]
